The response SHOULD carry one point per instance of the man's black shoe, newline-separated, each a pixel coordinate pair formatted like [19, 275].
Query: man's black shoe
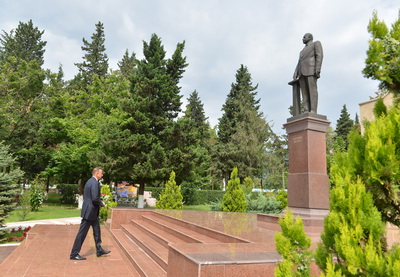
[102, 252]
[78, 258]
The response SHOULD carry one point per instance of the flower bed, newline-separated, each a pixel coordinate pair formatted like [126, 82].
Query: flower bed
[17, 234]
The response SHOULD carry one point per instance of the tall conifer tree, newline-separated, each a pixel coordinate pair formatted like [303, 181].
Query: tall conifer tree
[24, 43]
[242, 130]
[344, 125]
[95, 60]
[127, 64]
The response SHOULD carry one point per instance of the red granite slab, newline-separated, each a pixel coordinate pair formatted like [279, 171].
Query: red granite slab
[46, 253]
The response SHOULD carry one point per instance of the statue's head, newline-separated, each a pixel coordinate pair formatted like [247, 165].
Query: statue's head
[307, 37]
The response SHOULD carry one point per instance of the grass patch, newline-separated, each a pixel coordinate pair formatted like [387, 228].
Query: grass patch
[46, 212]
[49, 210]
[197, 207]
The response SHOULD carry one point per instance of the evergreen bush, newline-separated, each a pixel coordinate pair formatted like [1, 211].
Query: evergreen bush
[263, 203]
[9, 175]
[171, 197]
[68, 192]
[234, 199]
[282, 197]
[37, 195]
[293, 244]
[375, 159]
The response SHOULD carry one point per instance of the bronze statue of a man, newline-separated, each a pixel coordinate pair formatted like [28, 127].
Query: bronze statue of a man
[308, 71]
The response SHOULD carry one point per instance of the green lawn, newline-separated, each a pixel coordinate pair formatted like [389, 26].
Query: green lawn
[53, 209]
[49, 210]
[46, 212]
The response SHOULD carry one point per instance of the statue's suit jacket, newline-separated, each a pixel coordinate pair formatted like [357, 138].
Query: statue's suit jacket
[91, 200]
[310, 60]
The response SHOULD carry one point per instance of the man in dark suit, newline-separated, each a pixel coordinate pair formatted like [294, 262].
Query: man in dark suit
[308, 71]
[90, 212]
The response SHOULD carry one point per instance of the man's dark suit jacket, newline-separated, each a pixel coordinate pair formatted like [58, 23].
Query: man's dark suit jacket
[91, 200]
[310, 60]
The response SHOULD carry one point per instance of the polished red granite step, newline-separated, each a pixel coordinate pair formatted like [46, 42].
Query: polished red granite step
[155, 250]
[143, 264]
[46, 251]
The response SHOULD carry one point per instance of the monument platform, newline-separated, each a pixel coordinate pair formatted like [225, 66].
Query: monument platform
[170, 243]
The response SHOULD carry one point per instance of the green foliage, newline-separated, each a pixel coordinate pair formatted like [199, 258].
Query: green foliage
[383, 55]
[234, 199]
[353, 234]
[128, 64]
[37, 194]
[9, 176]
[95, 59]
[24, 205]
[24, 43]
[263, 203]
[380, 108]
[282, 197]
[375, 158]
[365, 192]
[106, 197]
[293, 245]
[242, 131]
[171, 197]
[344, 125]
[247, 186]
[68, 192]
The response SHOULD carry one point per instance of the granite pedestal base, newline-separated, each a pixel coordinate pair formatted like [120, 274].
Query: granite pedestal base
[308, 183]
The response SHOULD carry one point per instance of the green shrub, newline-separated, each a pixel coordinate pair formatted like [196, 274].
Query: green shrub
[24, 204]
[106, 197]
[263, 203]
[282, 197]
[171, 197]
[247, 185]
[197, 197]
[188, 193]
[68, 192]
[155, 191]
[234, 199]
[293, 245]
[37, 195]
[216, 206]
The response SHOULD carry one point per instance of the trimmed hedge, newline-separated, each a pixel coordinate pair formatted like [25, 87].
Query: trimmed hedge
[195, 197]
[68, 192]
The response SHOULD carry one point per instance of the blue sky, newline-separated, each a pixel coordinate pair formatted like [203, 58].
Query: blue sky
[264, 35]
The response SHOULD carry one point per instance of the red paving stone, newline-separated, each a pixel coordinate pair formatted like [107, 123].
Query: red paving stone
[46, 250]
[46, 253]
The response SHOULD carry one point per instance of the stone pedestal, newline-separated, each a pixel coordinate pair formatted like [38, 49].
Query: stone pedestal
[308, 183]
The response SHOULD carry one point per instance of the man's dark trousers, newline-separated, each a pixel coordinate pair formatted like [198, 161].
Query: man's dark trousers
[83, 230]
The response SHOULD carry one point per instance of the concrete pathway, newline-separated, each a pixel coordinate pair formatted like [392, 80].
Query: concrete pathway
[56, 221]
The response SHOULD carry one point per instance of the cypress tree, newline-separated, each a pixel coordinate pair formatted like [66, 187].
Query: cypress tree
[171, 197]
[353, 231]
[293, 244]
[234, 199]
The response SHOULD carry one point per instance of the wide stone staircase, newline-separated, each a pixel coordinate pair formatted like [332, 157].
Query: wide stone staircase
[148, 238]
